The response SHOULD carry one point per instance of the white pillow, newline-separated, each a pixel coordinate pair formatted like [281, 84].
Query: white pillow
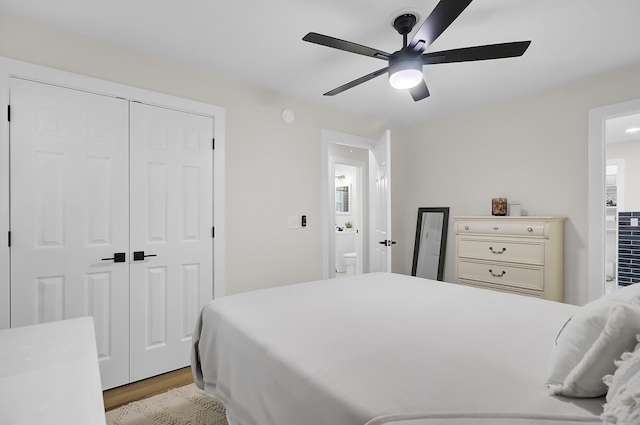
[630, 294]
[623, 398]
[590, 342]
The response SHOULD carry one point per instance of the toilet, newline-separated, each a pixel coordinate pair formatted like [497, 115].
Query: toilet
[350, 259]
[345, 242]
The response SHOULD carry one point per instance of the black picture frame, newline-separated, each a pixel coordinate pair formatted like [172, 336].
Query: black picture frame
[423, 264]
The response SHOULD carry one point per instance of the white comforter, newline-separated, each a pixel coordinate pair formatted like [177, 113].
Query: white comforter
[383, 349]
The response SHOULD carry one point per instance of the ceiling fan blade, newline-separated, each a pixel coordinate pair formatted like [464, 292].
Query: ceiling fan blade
[477, 53]
[357, 82]
[420, 91]
[347, 46]
[440, 18]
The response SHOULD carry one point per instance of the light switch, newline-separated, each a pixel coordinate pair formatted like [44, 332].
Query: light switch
[293, 222]
[634, 221]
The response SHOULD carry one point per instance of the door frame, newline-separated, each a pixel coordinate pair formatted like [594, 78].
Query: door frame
[328, 137]
[14, 68]
[596, 191]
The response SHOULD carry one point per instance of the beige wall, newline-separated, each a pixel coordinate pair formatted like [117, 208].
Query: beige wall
[266, 159]
[532, 150]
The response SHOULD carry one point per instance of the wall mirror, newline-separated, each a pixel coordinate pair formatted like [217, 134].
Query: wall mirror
[342, 200]
[431, 242]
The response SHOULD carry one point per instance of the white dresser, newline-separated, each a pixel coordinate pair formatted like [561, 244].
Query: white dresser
[522, 255]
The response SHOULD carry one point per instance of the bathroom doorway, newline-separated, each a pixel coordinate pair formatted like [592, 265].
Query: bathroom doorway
[622, 152]
[356, 151]
[348, 164]
[604, 222]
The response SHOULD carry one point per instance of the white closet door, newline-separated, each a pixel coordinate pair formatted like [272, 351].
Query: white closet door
[69, 211]
[171, 222]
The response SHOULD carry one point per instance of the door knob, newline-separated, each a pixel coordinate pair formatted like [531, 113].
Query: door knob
[139, 255]
[118, 257]
[387, 242]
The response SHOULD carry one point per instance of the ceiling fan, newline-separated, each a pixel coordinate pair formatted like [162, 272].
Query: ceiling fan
[405, 65]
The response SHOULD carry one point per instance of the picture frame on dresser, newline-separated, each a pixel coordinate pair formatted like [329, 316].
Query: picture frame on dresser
[431, 242]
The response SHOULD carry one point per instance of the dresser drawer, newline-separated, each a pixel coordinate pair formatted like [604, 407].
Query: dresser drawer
[502, 274]
[498, 227]
[529, 251]
[500, 288]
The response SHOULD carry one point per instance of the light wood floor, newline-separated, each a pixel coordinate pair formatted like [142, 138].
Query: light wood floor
[117, 397]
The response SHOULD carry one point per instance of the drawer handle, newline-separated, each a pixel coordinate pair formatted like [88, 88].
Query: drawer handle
[529, 229]
[496, 228]
[497, 252]
[497, 275]
[466, 227]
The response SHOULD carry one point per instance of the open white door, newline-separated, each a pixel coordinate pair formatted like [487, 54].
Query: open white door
[380, 205]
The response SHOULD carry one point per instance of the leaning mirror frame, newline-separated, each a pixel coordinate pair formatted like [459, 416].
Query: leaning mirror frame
[418, 258]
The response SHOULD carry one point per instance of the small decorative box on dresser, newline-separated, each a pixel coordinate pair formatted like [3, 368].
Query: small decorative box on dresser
[521, 255]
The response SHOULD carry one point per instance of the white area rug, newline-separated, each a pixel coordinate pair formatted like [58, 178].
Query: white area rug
[184, 405]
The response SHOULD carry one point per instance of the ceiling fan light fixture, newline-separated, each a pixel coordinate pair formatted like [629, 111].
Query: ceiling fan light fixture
[405, 73]
[405, 65]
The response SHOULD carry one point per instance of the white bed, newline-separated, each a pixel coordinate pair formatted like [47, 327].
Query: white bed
[383, 349]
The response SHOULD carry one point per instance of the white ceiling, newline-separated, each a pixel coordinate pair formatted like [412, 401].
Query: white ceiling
[616, 128]
[261, 43]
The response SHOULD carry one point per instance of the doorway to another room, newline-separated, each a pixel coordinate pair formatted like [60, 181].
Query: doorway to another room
[349, 187]
[356, 206]
[622, 152]
[614, 213]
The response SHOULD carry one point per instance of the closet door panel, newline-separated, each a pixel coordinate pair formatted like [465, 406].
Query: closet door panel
[70, 210]
[171, 222]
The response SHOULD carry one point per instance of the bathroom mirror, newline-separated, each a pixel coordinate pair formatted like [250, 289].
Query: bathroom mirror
[342, 200]
[431, 242]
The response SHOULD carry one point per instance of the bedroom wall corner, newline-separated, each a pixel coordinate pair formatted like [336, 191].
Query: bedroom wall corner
[403, 189]
[273, 169]
[5, 295]
[532, 150]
